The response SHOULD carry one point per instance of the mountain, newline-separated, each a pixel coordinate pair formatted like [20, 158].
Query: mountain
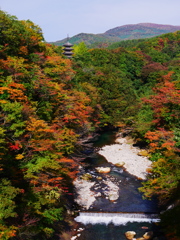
[88, 39]
[125, 32]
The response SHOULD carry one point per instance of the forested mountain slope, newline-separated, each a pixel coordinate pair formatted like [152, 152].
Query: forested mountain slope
[125, 32]
[48, 103]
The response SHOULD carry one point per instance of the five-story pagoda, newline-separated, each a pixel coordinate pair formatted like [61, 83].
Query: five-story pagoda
[68, 49]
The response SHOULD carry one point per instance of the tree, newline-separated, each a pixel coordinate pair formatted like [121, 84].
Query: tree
[163, 141]
[40, 123]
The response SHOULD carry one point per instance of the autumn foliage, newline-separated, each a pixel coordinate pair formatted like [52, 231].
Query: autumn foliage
[41, 118]
[48, 103]
[163, 139]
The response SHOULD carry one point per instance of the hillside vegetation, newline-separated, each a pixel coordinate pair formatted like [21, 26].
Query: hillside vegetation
[49, 103]
[125, 32]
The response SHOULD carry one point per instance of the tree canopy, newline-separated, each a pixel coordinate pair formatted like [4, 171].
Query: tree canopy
[49, 102]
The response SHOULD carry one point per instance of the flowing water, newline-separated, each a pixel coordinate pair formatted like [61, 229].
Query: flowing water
[115, 218]
[109, 219]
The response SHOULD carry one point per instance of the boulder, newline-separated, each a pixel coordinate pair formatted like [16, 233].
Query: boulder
[148, 235]
[99, 178]
[120, 140]
[130, 235]
[86, 176]
[103, 169]
[119, 164]
[113, 197]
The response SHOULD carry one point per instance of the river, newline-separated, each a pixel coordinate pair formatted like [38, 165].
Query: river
[110, 203]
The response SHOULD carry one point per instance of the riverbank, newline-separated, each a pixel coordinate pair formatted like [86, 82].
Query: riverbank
[124, 154]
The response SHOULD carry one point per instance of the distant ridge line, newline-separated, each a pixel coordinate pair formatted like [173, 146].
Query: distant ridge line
[121, 33]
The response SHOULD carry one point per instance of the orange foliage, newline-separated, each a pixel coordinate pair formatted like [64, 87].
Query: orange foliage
[14, 93]
[7, 233]
[23, 50]
[160, 139]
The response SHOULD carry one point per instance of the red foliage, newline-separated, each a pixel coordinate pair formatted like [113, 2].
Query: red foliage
[152, 67]
[165, 103]
[14, 147]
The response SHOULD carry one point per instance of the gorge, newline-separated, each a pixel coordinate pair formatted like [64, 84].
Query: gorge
[111, 200]
[49, 104]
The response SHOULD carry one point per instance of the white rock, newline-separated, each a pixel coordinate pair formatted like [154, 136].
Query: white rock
[86, 197]
[98, 194]
[80, 229]
[121, 140]
[112, 192]
[74, 237]
[134, 164]
[130, 235]
[103, 169]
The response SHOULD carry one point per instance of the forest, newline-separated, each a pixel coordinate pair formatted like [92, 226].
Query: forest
[49, 103]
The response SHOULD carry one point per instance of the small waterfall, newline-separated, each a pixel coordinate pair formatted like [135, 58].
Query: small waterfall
[115, 218]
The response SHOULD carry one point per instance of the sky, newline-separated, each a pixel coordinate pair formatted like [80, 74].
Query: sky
[59, 18]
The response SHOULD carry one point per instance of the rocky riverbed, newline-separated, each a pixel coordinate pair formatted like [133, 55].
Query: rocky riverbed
[121, 154]
[111, 186]
[124, 154]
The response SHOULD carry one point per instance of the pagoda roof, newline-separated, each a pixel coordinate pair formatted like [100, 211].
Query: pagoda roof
[68, 44]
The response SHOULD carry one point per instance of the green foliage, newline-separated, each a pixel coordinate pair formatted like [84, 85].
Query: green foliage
[160, 57]
[7, 196]
[53, 215]
[144, 120]
[12, 112]
[18, 37]
[126, 44]
[81, 54]
[40, 122]
[39, 163]
[80, 49]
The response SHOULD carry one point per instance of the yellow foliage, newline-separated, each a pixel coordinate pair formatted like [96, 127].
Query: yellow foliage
[143, 153]
[19, 156]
